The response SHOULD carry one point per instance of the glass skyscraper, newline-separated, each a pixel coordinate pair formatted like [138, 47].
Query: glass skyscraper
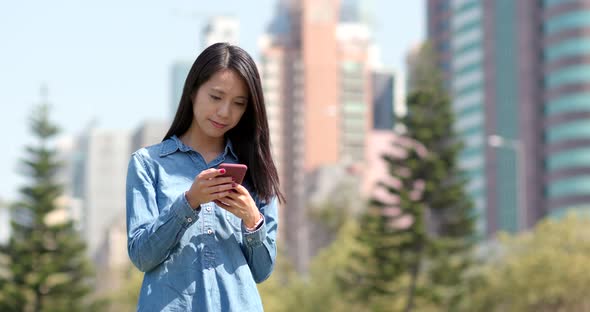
[519, 76]
[566, 110]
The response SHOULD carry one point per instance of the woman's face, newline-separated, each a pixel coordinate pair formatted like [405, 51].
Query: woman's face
[219, 104]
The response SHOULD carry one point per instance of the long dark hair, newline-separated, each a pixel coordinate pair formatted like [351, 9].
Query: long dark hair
[250, 137]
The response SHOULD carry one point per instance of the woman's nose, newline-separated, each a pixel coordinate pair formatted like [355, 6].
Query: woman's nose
[223, 110]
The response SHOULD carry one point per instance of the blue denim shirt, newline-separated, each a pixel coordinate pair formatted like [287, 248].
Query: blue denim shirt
[194, 260]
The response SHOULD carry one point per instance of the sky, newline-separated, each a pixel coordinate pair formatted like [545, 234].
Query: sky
[109, 61]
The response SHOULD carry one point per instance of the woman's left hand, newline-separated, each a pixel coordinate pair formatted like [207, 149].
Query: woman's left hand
[241, 204]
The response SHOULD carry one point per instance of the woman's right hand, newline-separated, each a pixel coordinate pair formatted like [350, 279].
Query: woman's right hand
[209, 186]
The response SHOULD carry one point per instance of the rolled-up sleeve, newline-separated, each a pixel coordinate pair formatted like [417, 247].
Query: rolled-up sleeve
[259, 246]
[151, 233]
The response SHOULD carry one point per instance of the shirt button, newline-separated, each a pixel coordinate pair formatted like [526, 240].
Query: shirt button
[189, 219]
[208, 208]
[209, 231]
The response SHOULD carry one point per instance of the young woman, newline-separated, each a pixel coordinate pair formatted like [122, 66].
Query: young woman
[203, 240]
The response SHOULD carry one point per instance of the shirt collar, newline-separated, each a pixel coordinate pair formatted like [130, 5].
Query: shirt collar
[174, 144]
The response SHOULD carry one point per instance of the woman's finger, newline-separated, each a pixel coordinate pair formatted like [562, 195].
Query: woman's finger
[217, 181]
[240, 189]
[222, 203]
[219, 188]
[210, 173]
[231, 202]
[218, 196]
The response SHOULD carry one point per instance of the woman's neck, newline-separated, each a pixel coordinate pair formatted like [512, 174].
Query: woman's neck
[203, 145]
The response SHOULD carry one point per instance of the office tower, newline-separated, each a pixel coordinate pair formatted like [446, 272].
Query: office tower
[221, 29]
[386, 95]
[565, 102]
[178, 74]
[148, 133]
[69, 207]
[282, 77]
[4, 222]
[520, 94]
[438, 22]
[354, 91]
[105, 157]
[383, 91]
[272, 71]
[316, 75]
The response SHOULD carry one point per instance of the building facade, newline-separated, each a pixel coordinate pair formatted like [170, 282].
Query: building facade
[317, 85]
[104, 170]
[519, 87]
[566, 104]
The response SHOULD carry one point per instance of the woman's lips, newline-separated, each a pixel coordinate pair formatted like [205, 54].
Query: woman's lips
[217, 125]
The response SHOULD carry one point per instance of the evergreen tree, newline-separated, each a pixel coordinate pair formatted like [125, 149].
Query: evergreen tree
[44, 267]
[430, 121]
[418, 233]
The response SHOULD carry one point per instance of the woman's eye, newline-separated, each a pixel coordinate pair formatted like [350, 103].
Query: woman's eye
[214, 97]
[240, 103]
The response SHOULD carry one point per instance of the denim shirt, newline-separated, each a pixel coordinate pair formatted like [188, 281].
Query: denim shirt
[194, 260]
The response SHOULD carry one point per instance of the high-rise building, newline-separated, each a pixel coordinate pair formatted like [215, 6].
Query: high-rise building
[439, 33]
[150, 132]
[565, 103]
[105, 155]
[4, 222]
[383, 91]
[354, 91]
[178, 74]
[316, 81]
[520, 94]
[221, 29]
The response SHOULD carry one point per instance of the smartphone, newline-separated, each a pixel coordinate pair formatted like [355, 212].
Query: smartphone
[237, 171]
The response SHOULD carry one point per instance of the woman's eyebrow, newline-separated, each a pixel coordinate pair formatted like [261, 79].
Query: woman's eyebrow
[217, 90]
[223, 92]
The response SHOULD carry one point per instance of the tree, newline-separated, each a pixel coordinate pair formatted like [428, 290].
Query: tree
[542, 270]
[45, 264]
[418, 233]
[287, 291]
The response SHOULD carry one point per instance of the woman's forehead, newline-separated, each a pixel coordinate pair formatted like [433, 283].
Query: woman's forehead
[227, 81]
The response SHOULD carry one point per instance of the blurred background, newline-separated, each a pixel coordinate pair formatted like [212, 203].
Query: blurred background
[344, 84]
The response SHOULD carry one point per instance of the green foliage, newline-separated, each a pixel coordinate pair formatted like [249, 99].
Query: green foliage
[126, 297]
[542, 270]
[286, 291]
[417, 239]
[44, 264]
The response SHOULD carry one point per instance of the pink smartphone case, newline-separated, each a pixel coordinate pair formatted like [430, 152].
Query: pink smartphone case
[237, 171]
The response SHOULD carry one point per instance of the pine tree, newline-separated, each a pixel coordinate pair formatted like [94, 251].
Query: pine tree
[45, 268]
[418, 233]
[430, 121]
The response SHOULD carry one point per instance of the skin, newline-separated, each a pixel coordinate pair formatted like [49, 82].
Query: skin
[218, 106]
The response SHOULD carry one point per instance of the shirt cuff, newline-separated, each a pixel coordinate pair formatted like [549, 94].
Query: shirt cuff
[254, 238]
[184, 212]
[256, 226]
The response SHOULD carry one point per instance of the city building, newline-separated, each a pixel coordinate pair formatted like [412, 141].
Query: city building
[438, 22]
[519, 84]
[316, 78]
[148, 133]
[383, 92]
[4, 222]
[178, 73]
[103, 158]
[221, 29]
